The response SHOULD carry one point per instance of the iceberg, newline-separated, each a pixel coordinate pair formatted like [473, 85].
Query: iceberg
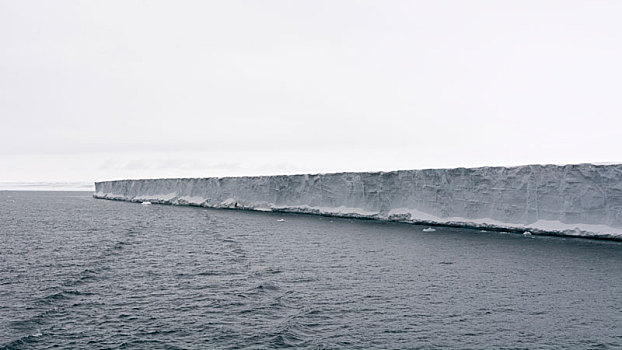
[571, 200]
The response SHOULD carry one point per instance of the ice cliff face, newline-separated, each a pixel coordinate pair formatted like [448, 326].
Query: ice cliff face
[580, 200]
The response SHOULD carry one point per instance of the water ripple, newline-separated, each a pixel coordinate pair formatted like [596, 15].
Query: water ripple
[82, 273]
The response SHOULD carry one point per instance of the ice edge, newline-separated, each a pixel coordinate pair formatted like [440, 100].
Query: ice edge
[580, 185]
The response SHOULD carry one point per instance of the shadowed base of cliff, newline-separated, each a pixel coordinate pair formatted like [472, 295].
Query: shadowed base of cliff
[562, 230]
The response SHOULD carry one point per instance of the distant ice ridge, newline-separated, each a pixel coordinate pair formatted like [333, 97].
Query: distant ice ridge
[572, 200]
[46, 186]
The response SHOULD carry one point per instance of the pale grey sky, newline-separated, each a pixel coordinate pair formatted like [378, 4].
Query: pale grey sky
[95, 90]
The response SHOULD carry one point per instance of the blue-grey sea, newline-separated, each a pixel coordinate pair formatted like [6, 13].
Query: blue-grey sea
[77, 272]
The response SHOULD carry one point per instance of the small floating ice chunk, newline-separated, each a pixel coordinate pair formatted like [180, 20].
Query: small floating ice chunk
[526, 233]
[146, 203]
[429, 229]
[281, 220]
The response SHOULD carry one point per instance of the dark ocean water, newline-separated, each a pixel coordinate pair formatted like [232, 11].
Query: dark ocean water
[76, 272]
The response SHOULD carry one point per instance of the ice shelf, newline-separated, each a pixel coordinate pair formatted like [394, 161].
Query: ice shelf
[572, 200]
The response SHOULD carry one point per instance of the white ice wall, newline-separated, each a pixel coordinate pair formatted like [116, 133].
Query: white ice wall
[582, 199]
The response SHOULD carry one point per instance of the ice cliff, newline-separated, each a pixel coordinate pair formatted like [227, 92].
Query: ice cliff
[575, 200]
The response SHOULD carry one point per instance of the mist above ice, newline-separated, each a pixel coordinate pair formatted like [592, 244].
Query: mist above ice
[105, 90]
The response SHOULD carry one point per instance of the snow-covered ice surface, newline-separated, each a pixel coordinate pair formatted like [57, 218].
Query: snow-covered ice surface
[573, 200]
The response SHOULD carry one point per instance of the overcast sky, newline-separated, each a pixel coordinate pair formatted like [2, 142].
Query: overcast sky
[97, 90]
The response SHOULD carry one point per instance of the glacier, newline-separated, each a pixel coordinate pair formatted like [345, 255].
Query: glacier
[570, 200]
